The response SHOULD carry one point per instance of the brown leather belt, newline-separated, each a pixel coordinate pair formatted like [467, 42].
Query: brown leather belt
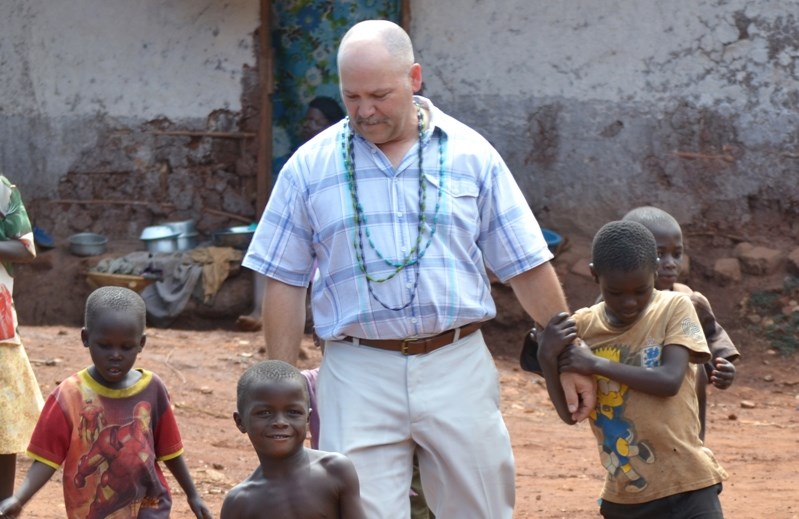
[418, 346]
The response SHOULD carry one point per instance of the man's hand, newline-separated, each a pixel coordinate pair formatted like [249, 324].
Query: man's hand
[579, 389]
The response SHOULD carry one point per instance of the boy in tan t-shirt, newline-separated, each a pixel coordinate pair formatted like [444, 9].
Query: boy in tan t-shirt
[640, 342]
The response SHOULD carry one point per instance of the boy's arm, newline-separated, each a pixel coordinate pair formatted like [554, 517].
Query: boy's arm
[350, 506]
[177, 466]
[37, 476]
[663, 380]
[557, 335]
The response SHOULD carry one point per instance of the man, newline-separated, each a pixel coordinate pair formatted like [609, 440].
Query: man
[403, 208]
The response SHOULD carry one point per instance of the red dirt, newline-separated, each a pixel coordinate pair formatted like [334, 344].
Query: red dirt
[558, 474]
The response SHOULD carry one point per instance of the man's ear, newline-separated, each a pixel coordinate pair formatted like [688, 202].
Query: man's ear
[142, 341]
[239, 423]
[84, 336]
[416, 77]
[593, 273]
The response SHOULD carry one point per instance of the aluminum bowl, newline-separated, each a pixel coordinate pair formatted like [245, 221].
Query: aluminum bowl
[157, 232]
[160, 238]
[238, 237]
[87, 244]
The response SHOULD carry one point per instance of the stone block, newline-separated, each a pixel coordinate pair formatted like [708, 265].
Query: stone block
[727, 270]
[742, 248]
[793, 262]
[761, 261]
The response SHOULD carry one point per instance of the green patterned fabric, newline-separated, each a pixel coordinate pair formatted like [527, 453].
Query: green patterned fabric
[305, 36]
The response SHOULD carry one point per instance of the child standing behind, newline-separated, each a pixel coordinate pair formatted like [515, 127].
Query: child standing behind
[21, 400]
[720, 371]
[291, 481]
[640, 342]
[108, 425]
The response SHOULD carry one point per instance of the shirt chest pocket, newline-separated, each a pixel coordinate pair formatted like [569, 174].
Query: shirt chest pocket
[458, 199]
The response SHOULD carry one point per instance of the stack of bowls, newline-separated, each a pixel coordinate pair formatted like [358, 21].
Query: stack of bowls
[188, 237]
[160, 238]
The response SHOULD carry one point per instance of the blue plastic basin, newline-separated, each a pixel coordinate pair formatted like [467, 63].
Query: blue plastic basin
[553, 239]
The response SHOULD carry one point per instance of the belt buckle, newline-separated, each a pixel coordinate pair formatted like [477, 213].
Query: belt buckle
[404, 347]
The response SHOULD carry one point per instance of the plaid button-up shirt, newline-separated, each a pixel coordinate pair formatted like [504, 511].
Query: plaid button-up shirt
[484, 222]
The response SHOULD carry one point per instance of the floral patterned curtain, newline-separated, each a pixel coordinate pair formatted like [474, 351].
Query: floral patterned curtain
[306, 34]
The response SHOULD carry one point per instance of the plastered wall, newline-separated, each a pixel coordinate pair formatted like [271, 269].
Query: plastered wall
[602, 106]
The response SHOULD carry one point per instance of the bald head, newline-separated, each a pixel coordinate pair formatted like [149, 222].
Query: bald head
[394, 40]
[378, 78]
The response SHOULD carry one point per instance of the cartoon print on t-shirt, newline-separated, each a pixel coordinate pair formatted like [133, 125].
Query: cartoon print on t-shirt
[619, 444]
[120, 453]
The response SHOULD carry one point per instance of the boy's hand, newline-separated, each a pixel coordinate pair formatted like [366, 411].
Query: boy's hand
[197, 506]
[577, 359]
[11, 507]
[558, 333]
[723, 373]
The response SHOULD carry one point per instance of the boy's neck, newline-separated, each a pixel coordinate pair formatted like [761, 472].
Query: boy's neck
[280, 468]
[131, 378]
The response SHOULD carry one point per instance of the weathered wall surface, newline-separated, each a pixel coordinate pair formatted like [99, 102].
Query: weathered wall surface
[88, 84]
[602, 106]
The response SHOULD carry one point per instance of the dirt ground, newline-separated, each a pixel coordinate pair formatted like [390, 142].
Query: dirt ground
[752, 427]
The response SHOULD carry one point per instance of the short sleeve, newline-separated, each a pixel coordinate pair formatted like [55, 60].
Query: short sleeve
[683, 329]
[51, 438]
[168, 443]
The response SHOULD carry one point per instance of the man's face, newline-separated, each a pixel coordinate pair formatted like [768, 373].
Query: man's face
[378, 93]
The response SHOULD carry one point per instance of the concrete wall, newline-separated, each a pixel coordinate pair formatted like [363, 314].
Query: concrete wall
[602, 106]
[85, 83]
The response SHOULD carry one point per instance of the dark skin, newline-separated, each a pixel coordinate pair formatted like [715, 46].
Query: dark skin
[114, 342]
[14, 251]
[719, 371]
[626, 296]
[291, 481]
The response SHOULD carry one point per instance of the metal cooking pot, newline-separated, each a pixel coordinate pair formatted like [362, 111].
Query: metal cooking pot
[160, 238]
[238, 237]
[87, 244]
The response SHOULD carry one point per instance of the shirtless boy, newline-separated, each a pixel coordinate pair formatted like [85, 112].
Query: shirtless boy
[292, 480]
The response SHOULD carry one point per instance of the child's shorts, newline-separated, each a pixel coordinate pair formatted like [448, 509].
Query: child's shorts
[703, 503]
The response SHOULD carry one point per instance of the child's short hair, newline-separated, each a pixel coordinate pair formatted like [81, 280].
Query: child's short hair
[270, 370]
[650, 216]
[116, 299]
[624, 246]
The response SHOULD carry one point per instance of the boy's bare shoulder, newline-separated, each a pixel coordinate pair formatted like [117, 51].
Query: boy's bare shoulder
[334, 463]
[327, 459]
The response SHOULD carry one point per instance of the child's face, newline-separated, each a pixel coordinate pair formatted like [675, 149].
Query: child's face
[626, 294]
[275, 417]
[670, 251]
[114, 342]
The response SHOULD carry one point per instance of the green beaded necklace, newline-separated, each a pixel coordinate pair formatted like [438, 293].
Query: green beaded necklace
[416, 253]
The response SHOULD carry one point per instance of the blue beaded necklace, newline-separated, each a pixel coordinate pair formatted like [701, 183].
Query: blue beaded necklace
[417, 252]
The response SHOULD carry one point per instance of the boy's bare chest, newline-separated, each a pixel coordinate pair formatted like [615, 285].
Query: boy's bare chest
[312, 497]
